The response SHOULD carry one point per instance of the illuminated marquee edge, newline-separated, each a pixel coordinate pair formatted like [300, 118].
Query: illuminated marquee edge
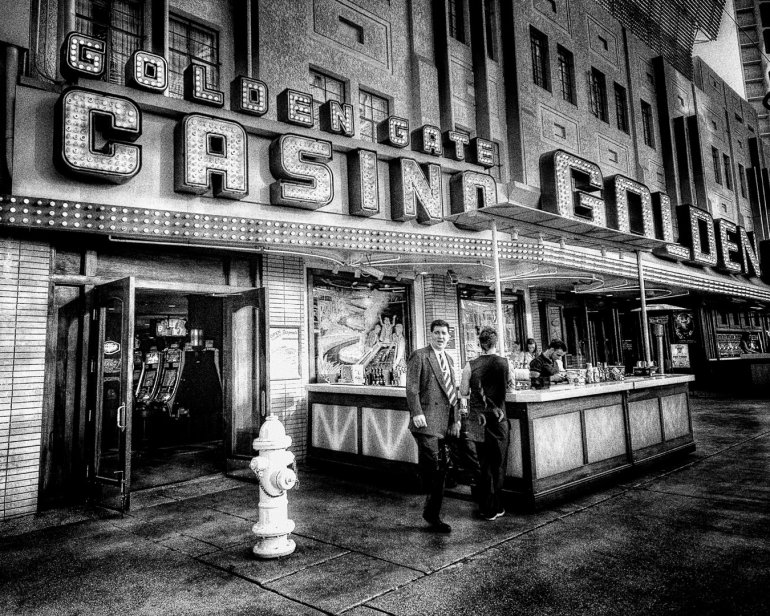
[185, 228]
[197, 228]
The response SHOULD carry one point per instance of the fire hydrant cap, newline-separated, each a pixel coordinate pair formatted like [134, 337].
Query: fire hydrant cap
[272, 435]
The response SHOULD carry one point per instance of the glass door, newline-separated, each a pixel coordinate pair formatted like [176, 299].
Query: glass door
[111, 397]
[245, 382]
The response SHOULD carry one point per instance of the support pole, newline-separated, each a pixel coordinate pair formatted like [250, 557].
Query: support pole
[498, 294]
[645, 325]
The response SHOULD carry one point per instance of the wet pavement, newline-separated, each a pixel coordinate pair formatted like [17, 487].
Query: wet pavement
[690, 538]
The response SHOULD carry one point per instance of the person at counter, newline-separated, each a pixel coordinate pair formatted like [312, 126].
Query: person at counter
[544, 369]
[486, 379]
[433, 403]
[521, 358]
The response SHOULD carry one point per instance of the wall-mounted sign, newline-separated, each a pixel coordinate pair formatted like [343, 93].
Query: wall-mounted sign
[680, 356]
[284, 353]
[95, 131]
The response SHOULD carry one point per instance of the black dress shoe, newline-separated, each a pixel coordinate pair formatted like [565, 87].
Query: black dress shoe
[437, 525]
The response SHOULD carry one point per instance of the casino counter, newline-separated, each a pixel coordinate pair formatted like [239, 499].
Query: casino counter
[563, 440]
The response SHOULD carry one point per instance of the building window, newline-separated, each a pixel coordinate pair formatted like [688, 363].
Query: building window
[457, 20]
[566, 63]
[621, 108]
[118, 23]
[538, 45]
[598, 91]
[647, 126]
[378, 338]
[742, 180]
[728, 172]
[191, 42]
[490, 20]
[372, 110]
[324, 88]
[716, 163]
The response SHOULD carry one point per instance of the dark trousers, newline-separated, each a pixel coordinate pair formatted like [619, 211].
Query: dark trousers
[463, 462]
[431, 459]
[492, 454]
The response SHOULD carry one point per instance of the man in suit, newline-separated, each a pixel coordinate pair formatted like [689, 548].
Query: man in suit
[433, 401]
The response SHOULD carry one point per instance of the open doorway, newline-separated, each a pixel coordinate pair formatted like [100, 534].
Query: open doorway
[178, 422]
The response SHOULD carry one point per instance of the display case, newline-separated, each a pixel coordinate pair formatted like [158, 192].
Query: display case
[361, 329]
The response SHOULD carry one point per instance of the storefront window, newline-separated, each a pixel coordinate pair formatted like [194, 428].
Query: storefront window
[478, 312]
[361, 330]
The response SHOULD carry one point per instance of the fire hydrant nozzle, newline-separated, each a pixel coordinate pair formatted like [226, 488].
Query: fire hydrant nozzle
[275, 477]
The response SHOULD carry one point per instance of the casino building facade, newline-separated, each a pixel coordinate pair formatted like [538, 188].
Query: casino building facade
[212, 211]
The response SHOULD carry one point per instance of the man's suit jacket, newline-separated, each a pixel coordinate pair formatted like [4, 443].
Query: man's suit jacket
[426, 394]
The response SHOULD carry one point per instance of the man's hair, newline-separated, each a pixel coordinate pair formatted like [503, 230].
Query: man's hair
[438, 323]
[557, 345]
[487, 338]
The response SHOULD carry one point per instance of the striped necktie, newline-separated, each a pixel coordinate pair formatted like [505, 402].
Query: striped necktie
[448, 383]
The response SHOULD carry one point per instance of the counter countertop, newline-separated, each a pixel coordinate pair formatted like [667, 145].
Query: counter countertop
[564, 392]
[360, 390]
[556, 392]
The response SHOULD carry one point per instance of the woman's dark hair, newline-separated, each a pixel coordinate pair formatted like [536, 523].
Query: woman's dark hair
[530, 341]
[487, 338]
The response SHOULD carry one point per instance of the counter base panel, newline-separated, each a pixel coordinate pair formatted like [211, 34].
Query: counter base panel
[556, 449]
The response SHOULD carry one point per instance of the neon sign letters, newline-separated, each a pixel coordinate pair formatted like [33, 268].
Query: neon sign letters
[95, 134]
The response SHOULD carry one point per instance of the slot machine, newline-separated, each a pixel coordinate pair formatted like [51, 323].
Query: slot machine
[147, 383]
[171, 372]
[138, 369]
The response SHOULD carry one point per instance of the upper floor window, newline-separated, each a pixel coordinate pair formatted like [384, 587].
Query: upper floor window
[647, 125]
[538, 45]
[566, 63]
[728, 171]
[598, 92]
[742, 180]
[490, 21]
[324, 88]
[191, 42]
[716, 163]
[117, 22]
[372, 110]
[621, 108]
[457, 20]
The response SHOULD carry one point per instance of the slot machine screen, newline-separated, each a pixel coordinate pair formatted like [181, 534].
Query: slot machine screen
[169, 378]
[149, 378]
[173, 356]
[152, 357]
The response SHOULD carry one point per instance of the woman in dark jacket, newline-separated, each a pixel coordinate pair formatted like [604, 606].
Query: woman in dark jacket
[486, 379]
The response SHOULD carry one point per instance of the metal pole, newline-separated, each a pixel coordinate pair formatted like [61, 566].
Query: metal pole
[498, 294]
[645, 325]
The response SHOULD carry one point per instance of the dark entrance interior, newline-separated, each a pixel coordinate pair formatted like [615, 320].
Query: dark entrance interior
[178, 422]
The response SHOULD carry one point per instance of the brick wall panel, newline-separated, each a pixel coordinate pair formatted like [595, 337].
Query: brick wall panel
[24, 291]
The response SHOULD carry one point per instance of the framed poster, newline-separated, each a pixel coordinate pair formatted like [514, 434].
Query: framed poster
[554, 319]
[680, 356]
[684, 327]
[284, 353]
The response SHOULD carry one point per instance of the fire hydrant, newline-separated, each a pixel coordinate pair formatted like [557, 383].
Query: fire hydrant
[275, 478]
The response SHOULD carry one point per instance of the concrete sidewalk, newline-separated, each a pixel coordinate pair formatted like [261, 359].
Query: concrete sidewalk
[690, 539]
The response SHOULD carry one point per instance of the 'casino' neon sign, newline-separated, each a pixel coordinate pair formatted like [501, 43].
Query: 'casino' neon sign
[211, 156]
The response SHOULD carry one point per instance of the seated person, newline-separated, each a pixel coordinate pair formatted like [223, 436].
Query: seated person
[544, 369]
